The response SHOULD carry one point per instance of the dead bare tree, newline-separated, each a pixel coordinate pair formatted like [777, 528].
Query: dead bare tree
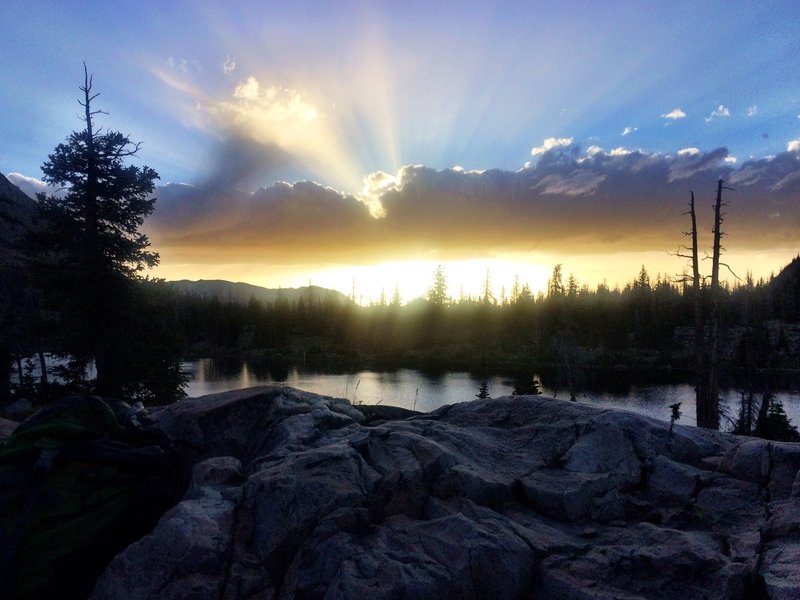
[701, 390]
[706, 315]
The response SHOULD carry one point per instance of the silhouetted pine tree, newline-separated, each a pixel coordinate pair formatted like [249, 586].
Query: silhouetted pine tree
[437, 293]
[483, 391]
[89, 254]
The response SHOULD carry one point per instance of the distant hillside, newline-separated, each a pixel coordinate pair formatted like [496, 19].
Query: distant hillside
[785, 291]
[242, 292]
[14, 203]
[16, 214]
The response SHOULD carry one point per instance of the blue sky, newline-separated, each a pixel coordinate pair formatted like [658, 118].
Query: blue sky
[232, 98]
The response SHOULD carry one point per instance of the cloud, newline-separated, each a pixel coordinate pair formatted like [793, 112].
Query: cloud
[752, 110]
[793, 146]
[772, 174]
[690, 163]
[284, 222]
[284, 120]
[239, 162]
[375, 184]
[229, 65]
[550, 144]
[183, 65]
[790, 182]
[567, 203]
[674, 114]
[718, 113]
[30, 185]
[629, 130]
[275, 103]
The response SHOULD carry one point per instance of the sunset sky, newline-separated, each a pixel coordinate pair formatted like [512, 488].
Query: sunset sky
[364, 143]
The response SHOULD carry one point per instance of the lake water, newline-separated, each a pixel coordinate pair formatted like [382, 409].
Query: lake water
[418, 391]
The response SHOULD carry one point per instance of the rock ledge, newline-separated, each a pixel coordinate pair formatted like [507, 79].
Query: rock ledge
[293, 496]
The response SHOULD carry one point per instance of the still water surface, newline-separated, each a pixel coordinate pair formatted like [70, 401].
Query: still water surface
[418, 391]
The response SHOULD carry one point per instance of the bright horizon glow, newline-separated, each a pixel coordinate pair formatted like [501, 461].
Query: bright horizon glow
[412, 279]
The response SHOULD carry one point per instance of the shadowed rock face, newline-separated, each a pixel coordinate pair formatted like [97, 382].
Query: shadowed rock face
[519, 497]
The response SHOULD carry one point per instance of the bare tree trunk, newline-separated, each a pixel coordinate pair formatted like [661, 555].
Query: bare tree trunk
[713, 320]
[43, 368]
[706, 318]
[701, 362]
[103, 355]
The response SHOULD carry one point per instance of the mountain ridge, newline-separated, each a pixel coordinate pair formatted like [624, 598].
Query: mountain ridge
[17, 211]
[14, 203]
[242, 292]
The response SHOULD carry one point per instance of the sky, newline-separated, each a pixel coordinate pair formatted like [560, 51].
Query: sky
[357, 145]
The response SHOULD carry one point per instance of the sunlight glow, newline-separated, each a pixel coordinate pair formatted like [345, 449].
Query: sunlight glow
[411, 279]
[349, 108]
[376, 184]
[287, 118]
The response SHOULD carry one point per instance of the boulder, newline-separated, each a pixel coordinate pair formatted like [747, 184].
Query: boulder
[295, 495]
[7, 427]
[198, 532]
[19, 409]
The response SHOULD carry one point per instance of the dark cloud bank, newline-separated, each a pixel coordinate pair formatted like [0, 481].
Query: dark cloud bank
[566, 203]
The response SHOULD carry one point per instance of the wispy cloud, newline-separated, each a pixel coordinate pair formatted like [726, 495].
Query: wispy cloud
[674, 114]
[752, 110]
[229, 65]
[629, 130]
[183, 65]
[718, 113]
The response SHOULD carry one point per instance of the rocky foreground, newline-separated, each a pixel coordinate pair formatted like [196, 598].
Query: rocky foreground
[295, 495]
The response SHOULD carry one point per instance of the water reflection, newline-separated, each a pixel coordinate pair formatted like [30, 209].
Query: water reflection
[413, 389]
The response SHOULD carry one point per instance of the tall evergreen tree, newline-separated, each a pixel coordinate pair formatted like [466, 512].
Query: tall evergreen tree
[437, 293]
[555, 285]
[89, 249]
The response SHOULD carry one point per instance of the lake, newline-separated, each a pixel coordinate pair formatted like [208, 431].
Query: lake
[423, 392]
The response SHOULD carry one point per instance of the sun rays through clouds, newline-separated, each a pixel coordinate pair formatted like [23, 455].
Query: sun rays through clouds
[308, 138]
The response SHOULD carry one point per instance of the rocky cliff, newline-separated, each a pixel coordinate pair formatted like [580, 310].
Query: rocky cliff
[295, 495]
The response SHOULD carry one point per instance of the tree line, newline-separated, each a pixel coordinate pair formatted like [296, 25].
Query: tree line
[645, 326]
[574, 337]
